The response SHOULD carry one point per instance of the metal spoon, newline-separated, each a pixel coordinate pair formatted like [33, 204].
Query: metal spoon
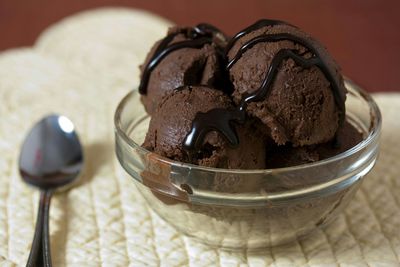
[51, 157]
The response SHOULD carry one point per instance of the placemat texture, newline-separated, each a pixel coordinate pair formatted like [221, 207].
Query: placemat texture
[82, 67]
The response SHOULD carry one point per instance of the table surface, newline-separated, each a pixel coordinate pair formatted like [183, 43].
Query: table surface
[363, 36]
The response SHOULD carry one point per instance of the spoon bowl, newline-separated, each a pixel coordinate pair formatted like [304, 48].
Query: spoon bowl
[51, 155]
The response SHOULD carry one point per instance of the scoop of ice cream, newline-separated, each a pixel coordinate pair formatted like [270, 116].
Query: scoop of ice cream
[186, 56]
[288, 81]
[285, 156]
[172, 122]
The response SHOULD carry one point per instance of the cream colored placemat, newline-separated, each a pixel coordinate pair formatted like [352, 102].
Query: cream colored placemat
[81, 67]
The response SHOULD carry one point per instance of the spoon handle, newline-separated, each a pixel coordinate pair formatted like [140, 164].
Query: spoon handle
[45, 231]
[35, 256]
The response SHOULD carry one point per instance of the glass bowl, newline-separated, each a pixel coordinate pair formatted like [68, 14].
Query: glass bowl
[254, 208]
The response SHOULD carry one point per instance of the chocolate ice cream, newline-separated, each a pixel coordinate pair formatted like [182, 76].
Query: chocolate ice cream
[172, 121]
[186, 56]
[288, 81]
[287, 106]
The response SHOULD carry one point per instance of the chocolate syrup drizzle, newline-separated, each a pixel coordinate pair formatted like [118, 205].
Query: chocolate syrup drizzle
[223, 120]
[315, 60]
[217, 119]
[199, 36]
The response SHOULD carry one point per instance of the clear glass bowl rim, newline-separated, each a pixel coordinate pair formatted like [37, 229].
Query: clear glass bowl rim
[373, 135]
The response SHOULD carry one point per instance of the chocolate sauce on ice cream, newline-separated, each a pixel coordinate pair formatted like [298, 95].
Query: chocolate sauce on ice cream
[284, 82]
[173, 120]
[186, 56]
[198, 36]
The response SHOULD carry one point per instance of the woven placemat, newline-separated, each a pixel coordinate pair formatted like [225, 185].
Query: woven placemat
[81, 67]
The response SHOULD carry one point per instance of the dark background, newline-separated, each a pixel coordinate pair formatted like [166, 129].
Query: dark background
[362, 35]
